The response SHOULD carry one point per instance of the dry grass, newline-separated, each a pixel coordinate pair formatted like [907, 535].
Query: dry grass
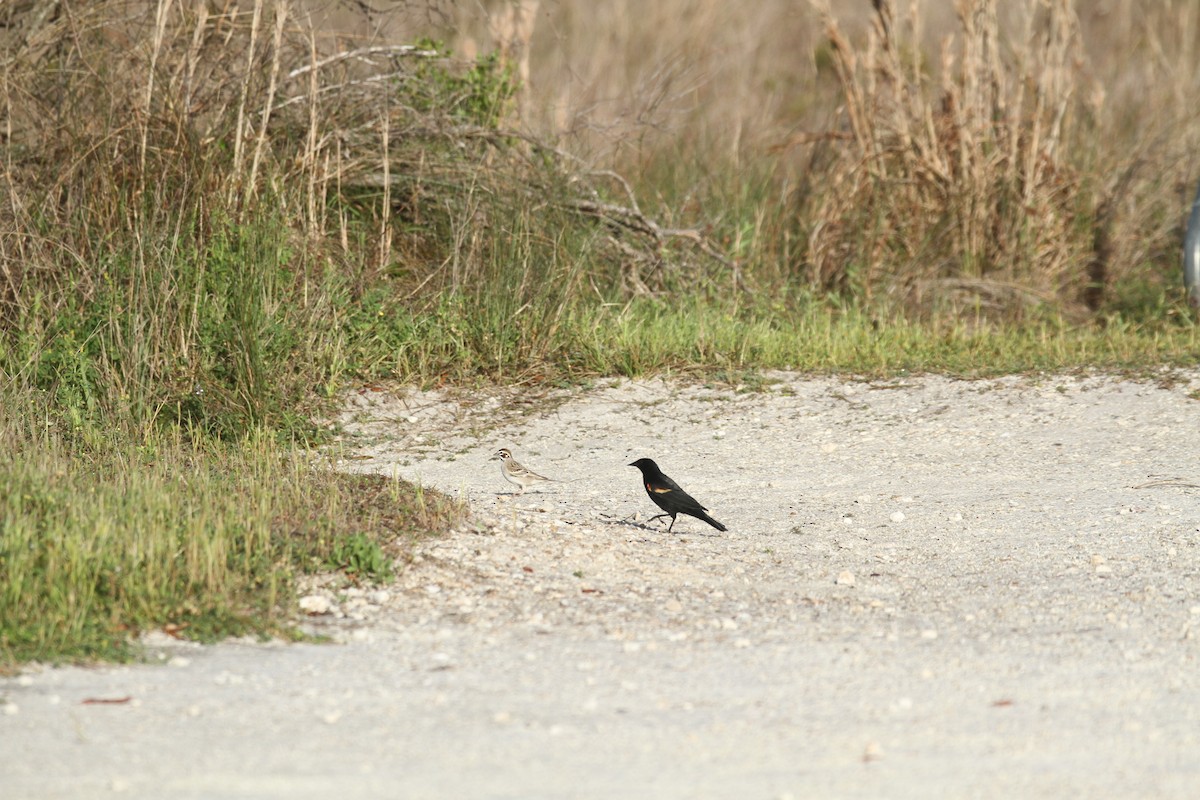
[199, 203]
[921, 155]
[916, 155]
[959, 172]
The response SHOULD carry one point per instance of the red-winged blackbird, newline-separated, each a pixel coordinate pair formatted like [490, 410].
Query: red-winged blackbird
[667, 495]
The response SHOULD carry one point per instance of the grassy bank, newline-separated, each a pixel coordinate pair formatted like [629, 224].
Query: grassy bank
[701, 337]
[178, 532]
[200, 522]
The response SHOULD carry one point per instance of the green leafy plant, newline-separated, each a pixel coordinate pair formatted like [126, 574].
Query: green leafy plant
[479, 93]
[361, 558]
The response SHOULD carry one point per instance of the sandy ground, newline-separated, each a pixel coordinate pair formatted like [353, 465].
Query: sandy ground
[929, 588]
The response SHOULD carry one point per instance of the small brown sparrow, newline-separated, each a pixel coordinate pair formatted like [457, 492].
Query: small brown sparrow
[514, 473]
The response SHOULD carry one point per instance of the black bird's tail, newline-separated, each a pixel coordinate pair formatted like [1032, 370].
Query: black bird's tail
[711, 521]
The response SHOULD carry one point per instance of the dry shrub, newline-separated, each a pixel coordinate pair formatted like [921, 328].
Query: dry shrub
[119, 109]
[1040, 151]
[1144, 160]
[1000, 154]
[242, 111]
[190, 193]
[955, 180]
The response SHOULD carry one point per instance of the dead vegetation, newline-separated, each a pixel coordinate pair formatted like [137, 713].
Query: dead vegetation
[383, 156]
[919, 158]
[1042, 151]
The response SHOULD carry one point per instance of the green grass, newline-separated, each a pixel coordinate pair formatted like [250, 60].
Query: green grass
[204, 537]
[699, 336]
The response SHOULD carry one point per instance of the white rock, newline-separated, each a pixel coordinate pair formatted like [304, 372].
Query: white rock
[845, 578]
[897, 516]
[315, 604]
[10, 709]
[157, 638]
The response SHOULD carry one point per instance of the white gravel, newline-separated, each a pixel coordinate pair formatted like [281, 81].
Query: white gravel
[929, 588]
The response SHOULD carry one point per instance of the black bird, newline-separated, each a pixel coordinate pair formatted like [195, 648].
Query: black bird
[667, 495]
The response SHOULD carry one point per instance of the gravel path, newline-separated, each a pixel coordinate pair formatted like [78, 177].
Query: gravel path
[929, 588]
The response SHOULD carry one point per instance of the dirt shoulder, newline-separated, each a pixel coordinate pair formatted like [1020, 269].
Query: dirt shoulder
[928, 588]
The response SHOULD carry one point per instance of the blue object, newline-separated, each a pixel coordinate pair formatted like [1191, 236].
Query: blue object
[1191, 255]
